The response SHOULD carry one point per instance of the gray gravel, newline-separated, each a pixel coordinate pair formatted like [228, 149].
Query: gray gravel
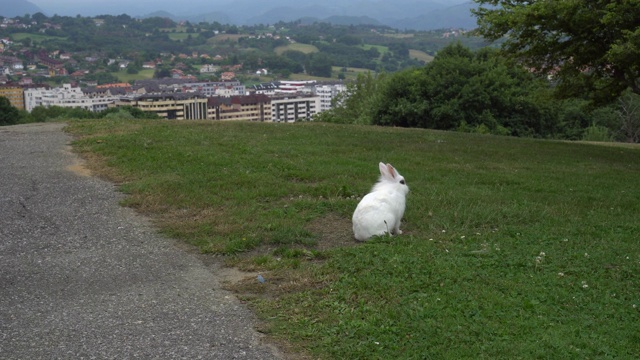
[83, 278]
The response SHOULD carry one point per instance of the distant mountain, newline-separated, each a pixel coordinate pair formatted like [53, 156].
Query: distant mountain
[209, 17]
[458, 16]
[287, 14]
[351, 20]
[400, 14]
[13, 8]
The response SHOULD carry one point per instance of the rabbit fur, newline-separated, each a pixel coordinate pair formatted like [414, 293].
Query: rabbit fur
[381, 210]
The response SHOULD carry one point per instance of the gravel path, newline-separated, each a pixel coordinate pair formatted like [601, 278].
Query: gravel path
[83, 278]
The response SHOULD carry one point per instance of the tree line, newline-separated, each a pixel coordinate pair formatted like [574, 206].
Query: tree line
[482, 92]
[10, 115]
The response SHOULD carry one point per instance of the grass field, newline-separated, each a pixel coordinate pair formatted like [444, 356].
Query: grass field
[420, 55]
[36, 38]
[304, 48]
[513, 248]
[180, 36]
[123, 76]
[382, 49]
[224, 37]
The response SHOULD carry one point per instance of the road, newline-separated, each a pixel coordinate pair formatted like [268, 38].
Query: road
[84, 278]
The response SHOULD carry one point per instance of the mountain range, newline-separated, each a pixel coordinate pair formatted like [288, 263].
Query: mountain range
[399, 14]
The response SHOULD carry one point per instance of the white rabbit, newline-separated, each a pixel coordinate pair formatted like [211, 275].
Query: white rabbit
[381, 210]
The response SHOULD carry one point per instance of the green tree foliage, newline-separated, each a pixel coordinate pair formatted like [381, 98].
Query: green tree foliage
[320, 65]
[467, 90]
[354, 105]
[591, 46]
[9, 114]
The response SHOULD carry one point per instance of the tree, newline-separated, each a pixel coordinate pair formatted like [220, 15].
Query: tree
[630, 117]
[9, 115]
[469, 91]
[590, 46]
[354, 105]
[320, 65]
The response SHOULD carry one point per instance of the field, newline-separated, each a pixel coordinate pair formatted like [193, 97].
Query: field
[225, 37]
[304, 48]
[36, 38]
[512, 248]
[180, 36]
[420, 55]
[123, 76]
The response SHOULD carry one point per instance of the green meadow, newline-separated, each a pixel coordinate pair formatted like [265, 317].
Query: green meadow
[512, 248]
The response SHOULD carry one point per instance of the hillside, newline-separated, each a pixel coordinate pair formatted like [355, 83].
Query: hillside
[13, 8]
[402, 14]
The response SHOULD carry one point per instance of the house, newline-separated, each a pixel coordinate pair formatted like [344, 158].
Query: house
[262, 72]
[208, 69]
[25, 81]
[227, 75]
[149, 65]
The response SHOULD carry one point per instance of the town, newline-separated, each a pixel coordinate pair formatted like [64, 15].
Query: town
[177, 70]
[180, 96]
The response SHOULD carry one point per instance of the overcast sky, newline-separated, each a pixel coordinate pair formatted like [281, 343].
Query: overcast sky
[189, 6]
[396, 13]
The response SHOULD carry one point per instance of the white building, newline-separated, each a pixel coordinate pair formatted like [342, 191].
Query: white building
[295, 87]
[66, 96]
[327, 93]
[292, 108]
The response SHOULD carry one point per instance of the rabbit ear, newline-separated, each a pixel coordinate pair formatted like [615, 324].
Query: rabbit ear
[384, 171]
[392, 171]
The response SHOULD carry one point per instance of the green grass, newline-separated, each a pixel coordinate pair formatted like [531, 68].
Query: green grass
[304, 48]
[180, 36]
[144, 74]
[382, 49]
[513, 248]
[420, 55]
[36, 38]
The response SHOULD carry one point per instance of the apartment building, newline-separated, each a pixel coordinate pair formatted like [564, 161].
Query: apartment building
[327, 93]
[15, 94]
[294, 107]
[173, 106]
[206, 88]
[256, 107]
[66, 96]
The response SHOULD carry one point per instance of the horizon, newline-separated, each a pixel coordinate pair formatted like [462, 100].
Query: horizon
[145, 7]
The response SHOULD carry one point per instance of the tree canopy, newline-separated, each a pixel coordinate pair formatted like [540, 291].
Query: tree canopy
[9, 115]
[591, 46]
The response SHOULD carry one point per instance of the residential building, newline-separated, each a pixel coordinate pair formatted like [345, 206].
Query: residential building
[66, 96]
[174, 106]
[265, 88]
[295, 107]
[295, 86]
[256, 107]
[327, 93]
[15, 94]
[206, 88]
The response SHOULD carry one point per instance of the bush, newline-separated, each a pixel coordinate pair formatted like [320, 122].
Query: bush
[597, 133]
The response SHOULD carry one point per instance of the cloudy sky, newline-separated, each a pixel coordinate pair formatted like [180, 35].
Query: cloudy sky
[140, 7]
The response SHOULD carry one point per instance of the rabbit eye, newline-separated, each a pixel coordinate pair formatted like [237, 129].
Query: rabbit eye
[402, 182]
